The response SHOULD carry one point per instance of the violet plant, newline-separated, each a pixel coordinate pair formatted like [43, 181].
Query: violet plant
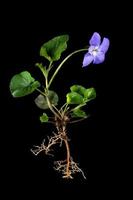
[71, 111]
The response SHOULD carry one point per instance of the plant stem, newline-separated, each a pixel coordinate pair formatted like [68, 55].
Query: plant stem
[46, 77]
[58, 111]
[78, 120]
[51, 108]
[47, 90]
[40, 92]
[58, 68]
[63, 106]
[79, 106]
[46, 82]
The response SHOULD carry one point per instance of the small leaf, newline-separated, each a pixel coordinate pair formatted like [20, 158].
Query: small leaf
[79, 89]
[74, 98]
[42, 68]
[90, 94]
[41, 100]
[79, 113]
[53, 49]
[23, 84]
[44, 118]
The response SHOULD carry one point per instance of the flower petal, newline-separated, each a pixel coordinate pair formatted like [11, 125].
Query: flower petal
[95, 39]
[105, 45]
[88, 58]
[99, 58]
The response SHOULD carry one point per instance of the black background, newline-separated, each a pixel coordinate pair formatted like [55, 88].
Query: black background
[93, 142]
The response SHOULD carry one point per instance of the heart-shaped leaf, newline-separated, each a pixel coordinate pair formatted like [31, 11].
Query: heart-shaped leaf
[41, 100]
[53, 49]
[79, 113]
[23, 84]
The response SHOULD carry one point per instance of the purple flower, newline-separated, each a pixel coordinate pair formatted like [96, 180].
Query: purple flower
[97, 50]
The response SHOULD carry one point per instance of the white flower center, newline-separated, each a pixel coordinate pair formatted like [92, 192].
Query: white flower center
[93, 50]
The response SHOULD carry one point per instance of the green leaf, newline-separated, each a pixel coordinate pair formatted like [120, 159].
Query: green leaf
[42, 68]
[74, 98]
[53, 49]
[41, 100]
[44, 118]
[90, 94]
[79, 113]
[78, 88]
[23, 84]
